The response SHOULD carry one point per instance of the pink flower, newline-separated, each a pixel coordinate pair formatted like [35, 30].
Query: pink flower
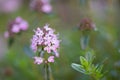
[18, 19]
[46, 8]
[23, 25]
[41, 6]
[15, 29]
[38, 60]
[45, 37]
[16, 26]
[7, 6]
[45, 40]
[47, 48]
[51, 59]
[87, 24]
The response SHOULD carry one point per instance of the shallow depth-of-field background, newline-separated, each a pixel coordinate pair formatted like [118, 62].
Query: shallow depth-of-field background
[16, 63]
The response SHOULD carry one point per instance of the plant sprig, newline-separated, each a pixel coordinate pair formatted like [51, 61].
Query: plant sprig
[87, 67]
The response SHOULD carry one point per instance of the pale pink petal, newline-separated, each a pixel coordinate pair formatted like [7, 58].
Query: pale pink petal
[46, 8]
[23, 25]
[15, 29]
[38, 60]
[18, 19]
[51, 59]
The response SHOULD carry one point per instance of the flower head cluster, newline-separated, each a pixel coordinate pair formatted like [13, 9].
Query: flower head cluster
[41, 5]
[47, 40]
[16, 26]
[87, 24]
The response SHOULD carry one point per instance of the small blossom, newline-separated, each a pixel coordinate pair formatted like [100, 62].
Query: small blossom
[51, 59]
[15, 29]
[38, 60]
[23, 25]
[46, 8]
[18, 19]
[16, 26]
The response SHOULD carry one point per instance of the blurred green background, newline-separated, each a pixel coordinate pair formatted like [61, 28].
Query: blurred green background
[16, 63]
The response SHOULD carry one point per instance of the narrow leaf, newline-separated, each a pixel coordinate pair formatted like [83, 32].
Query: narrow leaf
[83, 61]
[78, 68]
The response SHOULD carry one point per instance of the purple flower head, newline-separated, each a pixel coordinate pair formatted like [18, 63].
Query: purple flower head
[41, 6]
[87, 24]
[16, 26]
[46, 39]
[22, 24]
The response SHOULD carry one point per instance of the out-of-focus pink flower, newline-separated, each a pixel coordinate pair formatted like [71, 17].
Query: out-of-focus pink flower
[51, 59]
[41, 6]
[16, 26]
[18, 19]
[46, 8]
[23, 25]
[7, 6]
[38, 60]
[6, 34]
[15, 29]
[87, 24]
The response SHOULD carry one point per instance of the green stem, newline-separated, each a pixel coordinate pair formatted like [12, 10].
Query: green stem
[47, 72]
[84, 41]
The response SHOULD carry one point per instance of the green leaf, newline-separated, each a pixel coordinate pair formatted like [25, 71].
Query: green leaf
[96, 67]
[83, 61]
[90, 56]
[100, 69]
[78, 68]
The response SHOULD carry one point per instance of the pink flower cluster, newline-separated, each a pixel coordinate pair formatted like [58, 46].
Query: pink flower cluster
[41, 5]
[46, 39]
[39, 60]
[8, 6]
[16, 26]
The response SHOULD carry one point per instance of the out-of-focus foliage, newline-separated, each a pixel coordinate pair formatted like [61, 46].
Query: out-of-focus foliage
[16, 63]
